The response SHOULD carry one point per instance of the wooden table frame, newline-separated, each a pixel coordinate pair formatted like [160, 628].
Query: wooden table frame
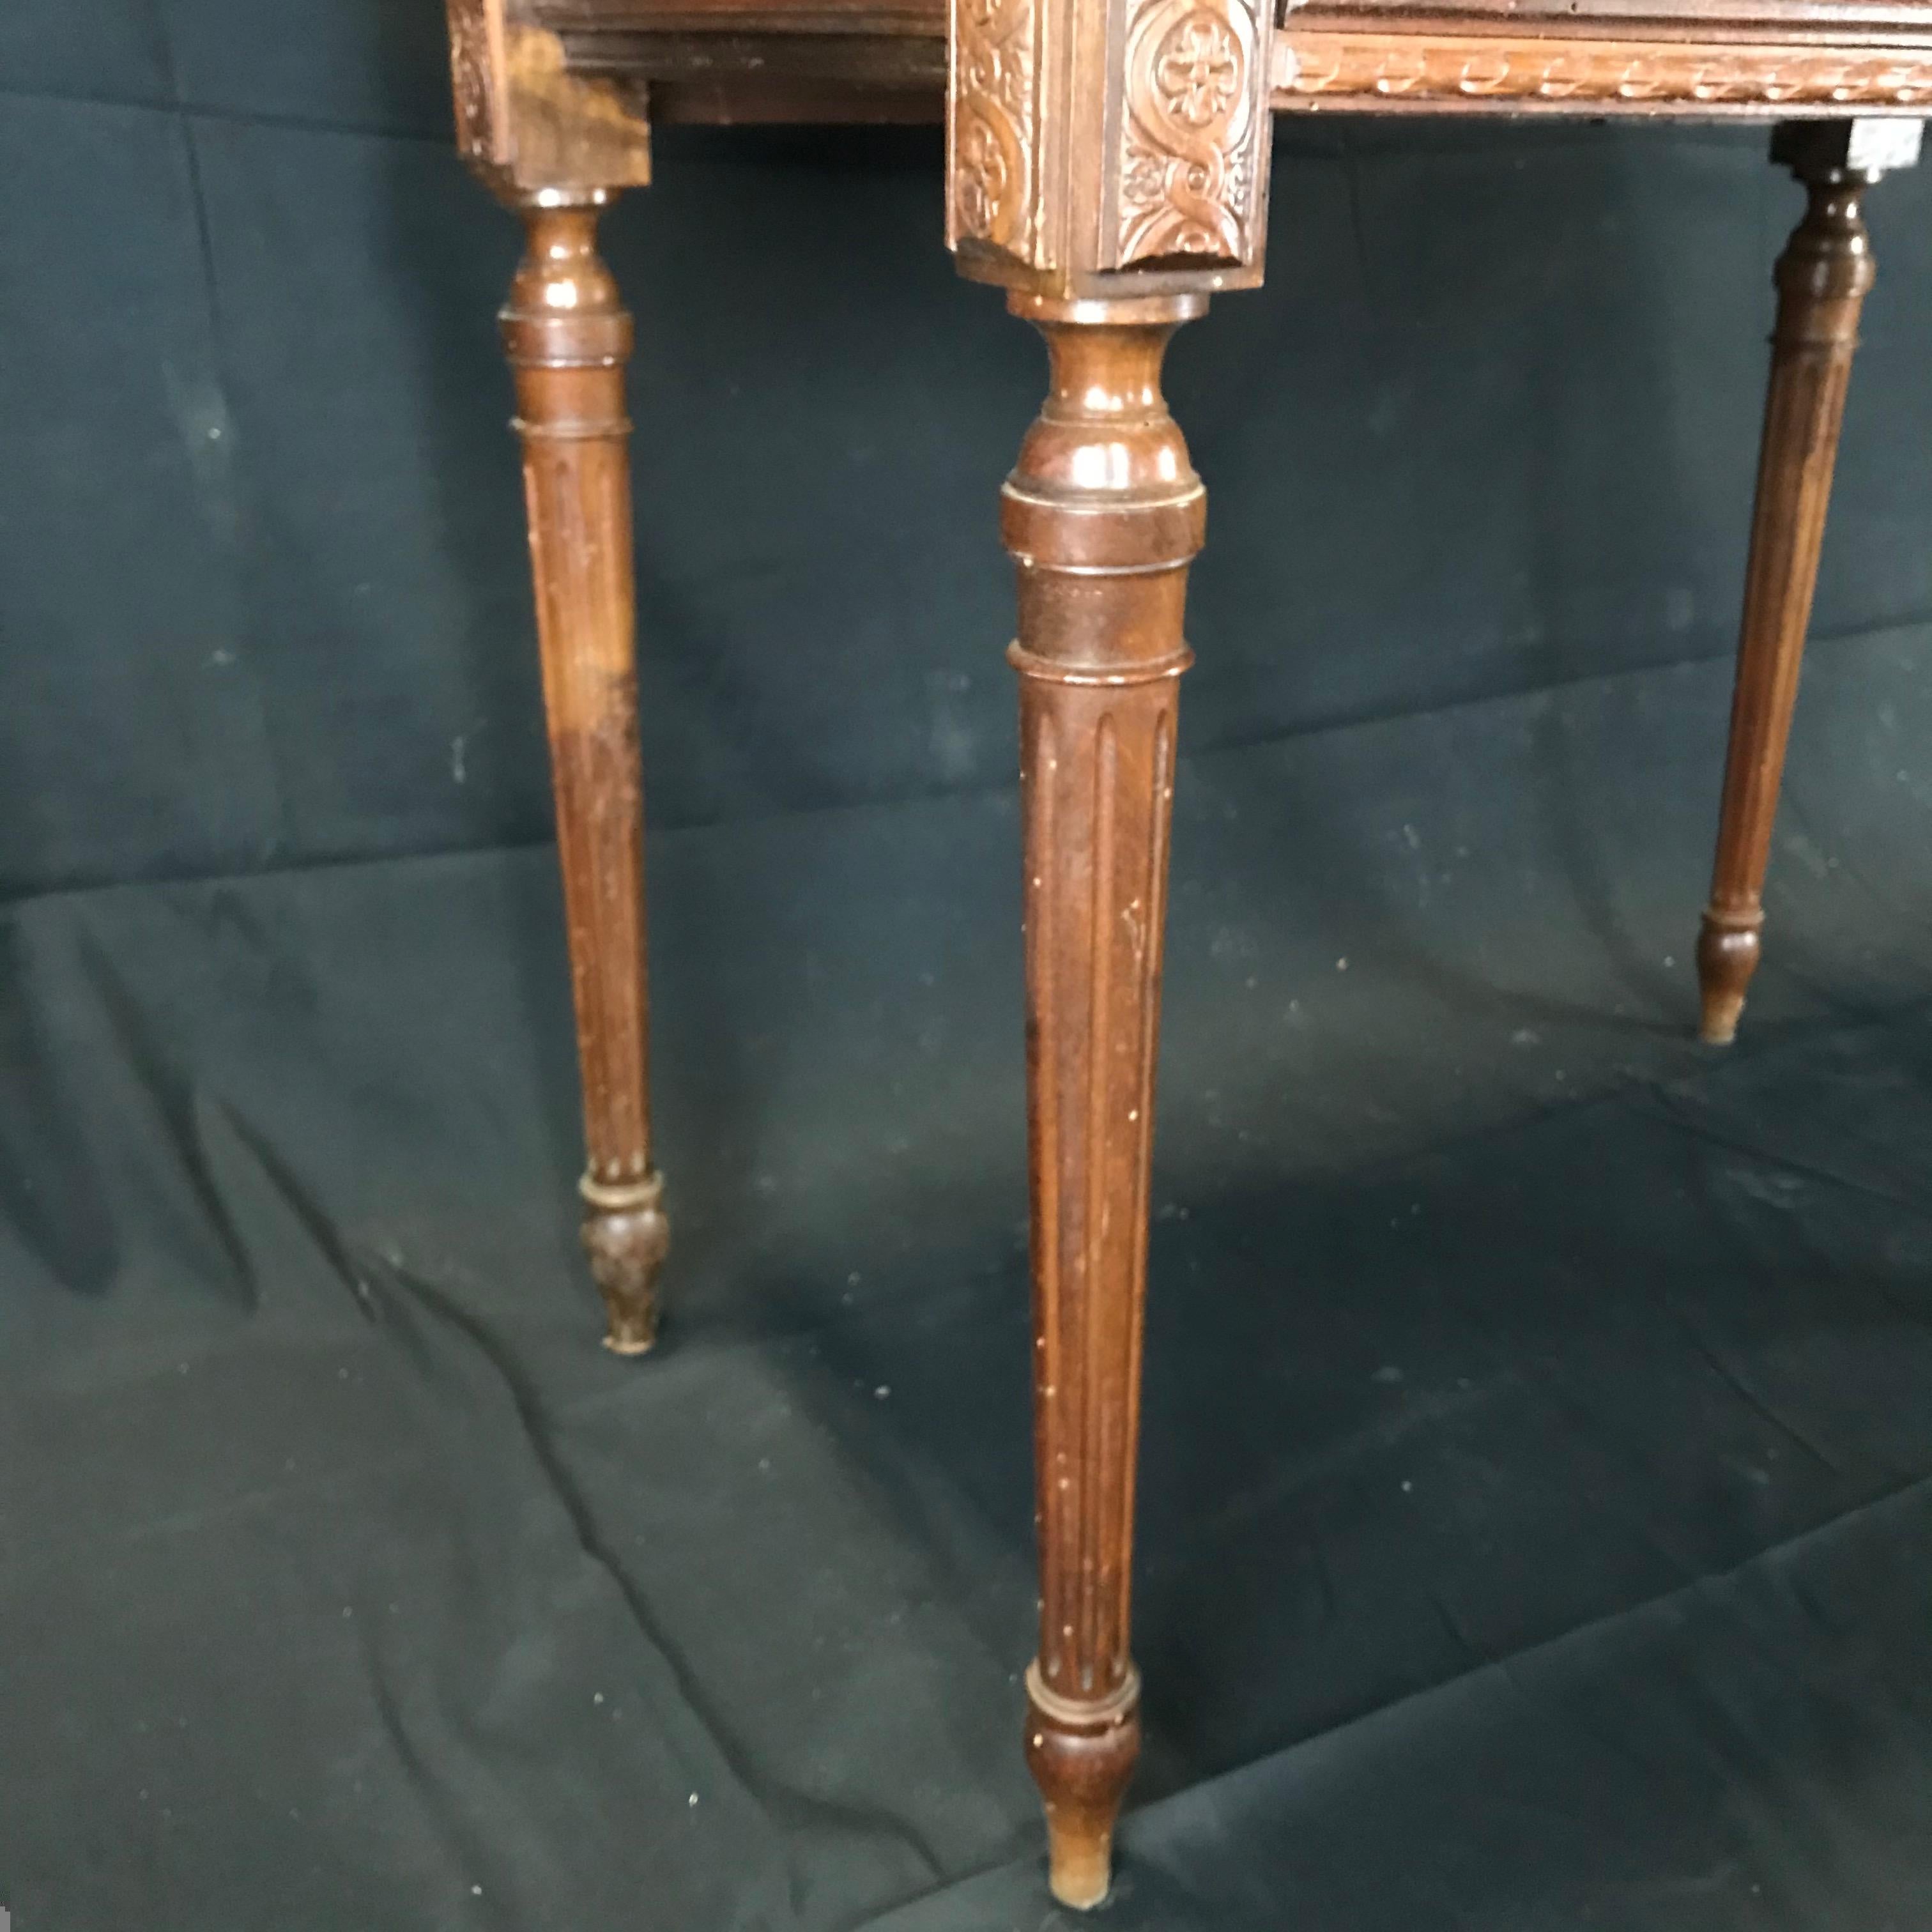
[1107, 164]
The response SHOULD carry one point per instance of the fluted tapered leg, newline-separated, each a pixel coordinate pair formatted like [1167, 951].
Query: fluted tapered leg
[1102, 515]
[569, 340]
[1822, 277]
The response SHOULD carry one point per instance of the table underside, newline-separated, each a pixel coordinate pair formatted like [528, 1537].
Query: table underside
[885, 60]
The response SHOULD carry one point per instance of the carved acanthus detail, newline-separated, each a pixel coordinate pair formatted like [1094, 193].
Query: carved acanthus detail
[1317, 68]
[1194, 93]
[995, 123]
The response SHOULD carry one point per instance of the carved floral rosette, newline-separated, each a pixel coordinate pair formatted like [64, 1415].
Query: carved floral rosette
[1195, 111]
[995, 67]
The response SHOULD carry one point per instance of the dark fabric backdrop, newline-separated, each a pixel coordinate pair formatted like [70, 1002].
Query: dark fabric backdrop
[1537, 1490]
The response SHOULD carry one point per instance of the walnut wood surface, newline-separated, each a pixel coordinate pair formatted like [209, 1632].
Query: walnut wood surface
[1103, 514]
[594, 16]
[1446, 67]
[568, 339]
[1645, 18]
[1107, 164]
[857, 63]
[526, 121]
[1705, 59]
[1822, 277]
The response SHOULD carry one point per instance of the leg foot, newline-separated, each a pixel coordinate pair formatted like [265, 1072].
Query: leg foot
[1081, 1757]
[1728, 948]
[627, 1237]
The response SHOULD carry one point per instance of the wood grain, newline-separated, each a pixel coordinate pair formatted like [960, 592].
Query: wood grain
[1568, 72]
[588, 18]
[1634, 19]
[858, 64]
[1107, 164]
[1703, 59]
[1822, 278]
[1103, 514]
[568, 339]
[479, 79]
[526, 121]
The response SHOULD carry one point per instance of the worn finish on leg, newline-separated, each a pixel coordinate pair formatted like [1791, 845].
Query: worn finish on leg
[1107, 165]
[1822, 277]
[569, 340]
[1102, 515]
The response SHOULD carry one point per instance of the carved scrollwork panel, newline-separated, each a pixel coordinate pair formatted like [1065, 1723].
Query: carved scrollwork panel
[992, 194]
[1194, 116]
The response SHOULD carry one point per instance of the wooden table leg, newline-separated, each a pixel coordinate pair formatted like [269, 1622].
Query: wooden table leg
[569, 340]
[1107, 166]
[1821, 277]
[1102, 515]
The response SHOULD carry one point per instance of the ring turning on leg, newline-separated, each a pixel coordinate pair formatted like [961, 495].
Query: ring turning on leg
[1102, 515]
